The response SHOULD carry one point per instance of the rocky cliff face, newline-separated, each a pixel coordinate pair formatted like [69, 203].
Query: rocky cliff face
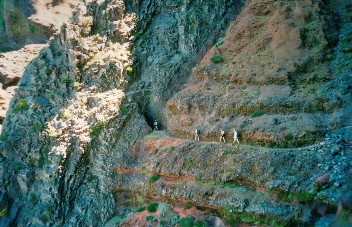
[75, 148]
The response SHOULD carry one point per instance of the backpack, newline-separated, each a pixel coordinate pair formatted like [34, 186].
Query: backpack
[197, 131]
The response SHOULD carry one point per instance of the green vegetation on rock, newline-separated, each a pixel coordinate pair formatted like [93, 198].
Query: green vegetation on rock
[217, 59]
[140, 209]
[302, 197]
[149, 218]
[154, 178]
[185, 222]
[153, 207]
[97, 128]
[3, 213]
[219, 42]
[189, 222]
[172, 149]
[234, 219]
[256, 114]
[288, 137]
[22, 106]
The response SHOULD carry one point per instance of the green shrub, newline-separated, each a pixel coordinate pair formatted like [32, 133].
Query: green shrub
[22, 106]
[140, 209]
[199, 224]
[256, 114]
[185, 222]
[302, 197]
[32, 28]
[189, 205]
[217, 59]
[149, 218]
[3, 213]
[230, 185]
[154, 178]
[97, 128]
[288, 137]
[124, 110]
[305, 197]
[66, 80]
[172, 149]
[129, 71]
[311, 90]
[153, 207]
[36, 128]
[219, 42]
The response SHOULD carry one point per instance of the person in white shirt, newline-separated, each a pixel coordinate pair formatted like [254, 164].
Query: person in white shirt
[235, 137]
[196, 134]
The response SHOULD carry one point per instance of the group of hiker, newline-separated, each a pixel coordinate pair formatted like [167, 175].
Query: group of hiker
[222, 135]
[197, 134]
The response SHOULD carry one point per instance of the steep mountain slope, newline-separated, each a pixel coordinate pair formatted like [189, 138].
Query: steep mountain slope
[275, 82]
[76, 147]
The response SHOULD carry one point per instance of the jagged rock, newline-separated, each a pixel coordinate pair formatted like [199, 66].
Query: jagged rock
[322, 180]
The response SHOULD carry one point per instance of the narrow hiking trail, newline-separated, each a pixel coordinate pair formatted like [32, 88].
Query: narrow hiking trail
[162, 134]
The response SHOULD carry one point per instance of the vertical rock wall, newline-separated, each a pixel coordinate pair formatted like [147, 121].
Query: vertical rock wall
[66, 127]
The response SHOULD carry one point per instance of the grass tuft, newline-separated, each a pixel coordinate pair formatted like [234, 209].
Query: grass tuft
[217, 59]
[154, 178]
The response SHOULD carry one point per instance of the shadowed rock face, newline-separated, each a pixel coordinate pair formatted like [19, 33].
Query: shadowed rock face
[171, 37]
[75, 148]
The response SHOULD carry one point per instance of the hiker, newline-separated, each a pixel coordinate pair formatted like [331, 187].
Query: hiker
[196, 134]
[155, 125]
[235, 137]
[222, 136]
